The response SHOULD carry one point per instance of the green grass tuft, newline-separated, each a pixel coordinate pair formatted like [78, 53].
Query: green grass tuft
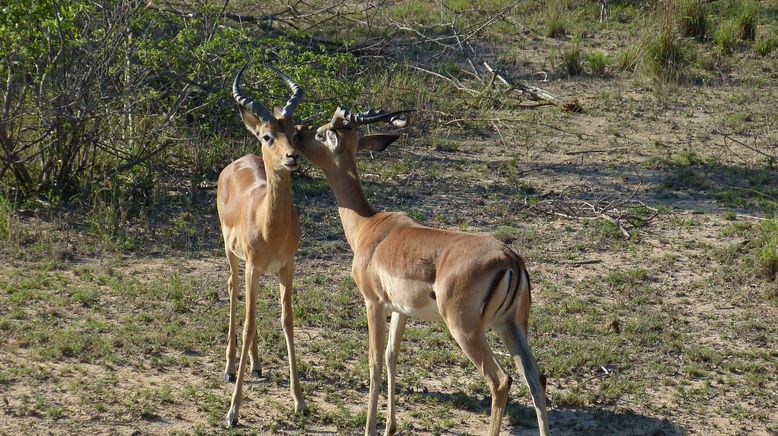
[665, 55]
[597, 62]
[572, 61]
[766, 44]
[726, 37]
[747, 20]
[691, 18]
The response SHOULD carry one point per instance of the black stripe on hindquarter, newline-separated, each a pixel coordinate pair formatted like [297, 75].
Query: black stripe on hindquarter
[510, 279]
[529, 286]
[515, 292]
[493, 287]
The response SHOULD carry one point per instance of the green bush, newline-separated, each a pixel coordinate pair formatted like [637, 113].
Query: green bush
[726, 37]
[99, 106]
[597, 62]
[691, 18]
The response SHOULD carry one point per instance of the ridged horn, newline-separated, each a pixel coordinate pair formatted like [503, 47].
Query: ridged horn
[297, 93]
[247, 102]
[371, 116]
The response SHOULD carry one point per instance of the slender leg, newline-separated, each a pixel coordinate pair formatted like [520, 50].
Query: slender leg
[376, 326]
[285, 278]
[475, 346]
[256, 365]
[232, 339]
[249, 330]
[515, 339]
[396, 330]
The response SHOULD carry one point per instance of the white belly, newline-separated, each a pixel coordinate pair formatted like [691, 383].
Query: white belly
[410, 297]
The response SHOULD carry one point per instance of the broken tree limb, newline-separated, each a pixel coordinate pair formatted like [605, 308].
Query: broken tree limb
[534, 93]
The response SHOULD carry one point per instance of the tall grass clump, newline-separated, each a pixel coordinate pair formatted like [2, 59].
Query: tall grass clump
[597, 63]
[572, 61]
[726, 37]
[556, 19]
[665, 55]
[627, 59]
[766, 44]
[6, 210]
[767, 249]
[691, 19]
[747, 20]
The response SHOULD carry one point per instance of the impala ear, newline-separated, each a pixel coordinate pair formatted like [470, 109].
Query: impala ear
[249, 120]
[377, 142]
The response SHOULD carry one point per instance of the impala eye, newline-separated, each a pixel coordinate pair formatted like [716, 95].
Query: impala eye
[267, 139]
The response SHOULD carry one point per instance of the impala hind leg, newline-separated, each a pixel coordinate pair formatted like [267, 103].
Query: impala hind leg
[249, 330]
[285, 278]
[232, 338]
[515, 339]
[396, 330]
[475, 346]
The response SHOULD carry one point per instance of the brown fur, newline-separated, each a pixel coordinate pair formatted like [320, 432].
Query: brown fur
[397, 263]
[260, 226]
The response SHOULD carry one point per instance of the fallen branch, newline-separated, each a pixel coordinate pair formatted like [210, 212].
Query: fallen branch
[534, 93]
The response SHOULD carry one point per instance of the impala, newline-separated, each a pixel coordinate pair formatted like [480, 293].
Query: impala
[260, 226]
[472, 282]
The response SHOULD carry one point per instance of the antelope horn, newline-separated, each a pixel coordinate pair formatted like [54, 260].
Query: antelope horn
[297, 93]
[373, 116]
[246, 101]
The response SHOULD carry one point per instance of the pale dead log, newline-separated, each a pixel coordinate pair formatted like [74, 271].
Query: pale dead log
[534, 92]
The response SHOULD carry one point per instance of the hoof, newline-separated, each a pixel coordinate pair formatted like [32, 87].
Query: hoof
[256, 373]
[302, 409]
[232, 420]
[230, 378]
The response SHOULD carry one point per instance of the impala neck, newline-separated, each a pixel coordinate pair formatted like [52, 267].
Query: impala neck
[278, 201]
[353, 207]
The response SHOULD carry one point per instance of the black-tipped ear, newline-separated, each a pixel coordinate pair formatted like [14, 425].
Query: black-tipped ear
[377, 142]
[249, 120]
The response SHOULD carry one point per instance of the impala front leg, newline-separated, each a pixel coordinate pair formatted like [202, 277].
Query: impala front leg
[285, 277]
[376, 326]
[232, 338]
[396, 330]
[249, 330]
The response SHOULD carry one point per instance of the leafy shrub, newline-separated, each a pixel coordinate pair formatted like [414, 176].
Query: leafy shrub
[726, 37]
[665, 55]
[597, 62]
[691, 18]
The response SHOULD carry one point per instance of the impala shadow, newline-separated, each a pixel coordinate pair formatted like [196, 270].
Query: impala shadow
[564, 420]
